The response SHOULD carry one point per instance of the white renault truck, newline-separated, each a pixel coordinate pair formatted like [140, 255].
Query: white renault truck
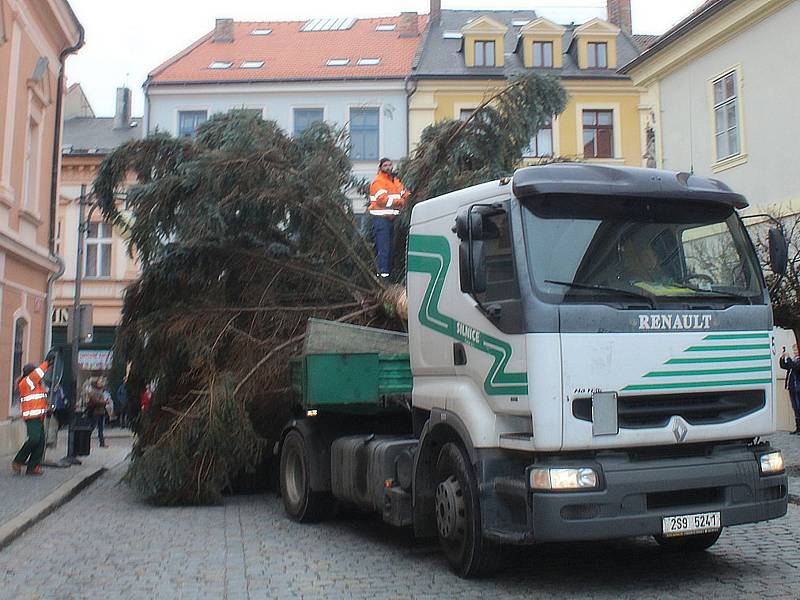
[589, 356]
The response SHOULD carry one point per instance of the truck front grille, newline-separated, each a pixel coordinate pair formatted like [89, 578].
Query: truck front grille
[636, 412]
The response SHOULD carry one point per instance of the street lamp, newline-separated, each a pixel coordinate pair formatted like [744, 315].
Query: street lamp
[80, 329]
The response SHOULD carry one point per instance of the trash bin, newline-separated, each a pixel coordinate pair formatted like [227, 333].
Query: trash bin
[81, 439]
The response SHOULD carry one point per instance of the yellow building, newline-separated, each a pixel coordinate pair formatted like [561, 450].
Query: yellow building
[466, 56]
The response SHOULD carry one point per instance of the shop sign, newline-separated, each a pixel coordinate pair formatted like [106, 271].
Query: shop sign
[95, 360]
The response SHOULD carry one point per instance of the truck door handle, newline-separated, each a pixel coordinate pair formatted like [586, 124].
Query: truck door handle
[459, 354]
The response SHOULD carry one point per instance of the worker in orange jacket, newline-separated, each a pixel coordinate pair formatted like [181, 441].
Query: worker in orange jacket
[34, 407]
[387, 195]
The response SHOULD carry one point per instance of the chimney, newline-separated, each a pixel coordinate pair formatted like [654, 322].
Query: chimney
[435, 13]
[223, 32]
[122, 114]
[619, 13]
[409, 25]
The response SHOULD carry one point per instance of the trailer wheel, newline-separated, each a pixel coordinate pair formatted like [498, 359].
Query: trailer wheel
[301, 504]
[458, 516]
[689, 543]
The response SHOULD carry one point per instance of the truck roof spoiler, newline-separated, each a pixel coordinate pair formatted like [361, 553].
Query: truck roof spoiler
[607, 180]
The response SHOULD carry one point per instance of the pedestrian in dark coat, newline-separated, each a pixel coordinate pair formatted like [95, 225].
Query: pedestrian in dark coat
[792, 366]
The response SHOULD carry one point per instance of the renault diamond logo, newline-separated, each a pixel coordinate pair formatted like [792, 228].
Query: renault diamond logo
[679, 430]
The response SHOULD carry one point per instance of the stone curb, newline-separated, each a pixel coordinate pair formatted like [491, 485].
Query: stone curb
[12, 529]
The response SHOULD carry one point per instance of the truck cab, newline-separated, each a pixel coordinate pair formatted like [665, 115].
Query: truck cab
[591, 351]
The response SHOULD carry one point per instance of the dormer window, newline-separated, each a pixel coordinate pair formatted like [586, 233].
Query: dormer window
[543, 54]
[484, 53]
[597, 55]
[483, 44]
[541, 46]
[594, 45]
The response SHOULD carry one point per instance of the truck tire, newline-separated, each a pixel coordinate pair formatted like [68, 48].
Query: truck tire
[689, 543]
[458, 516]
[301, 504]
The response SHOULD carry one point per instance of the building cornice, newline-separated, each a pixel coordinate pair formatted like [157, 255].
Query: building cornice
[23, 252]
[695, 38]
[305, 86]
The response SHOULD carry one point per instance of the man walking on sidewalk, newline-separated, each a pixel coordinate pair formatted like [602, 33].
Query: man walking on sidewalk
[387, 194]
[33, 404]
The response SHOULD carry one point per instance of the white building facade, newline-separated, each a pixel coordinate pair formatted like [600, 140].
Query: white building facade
[722, 93]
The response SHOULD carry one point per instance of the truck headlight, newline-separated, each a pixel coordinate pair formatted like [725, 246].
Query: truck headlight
[563, 479]
[771, 462]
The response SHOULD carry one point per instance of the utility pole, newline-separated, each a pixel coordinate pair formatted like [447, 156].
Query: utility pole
[75, 317]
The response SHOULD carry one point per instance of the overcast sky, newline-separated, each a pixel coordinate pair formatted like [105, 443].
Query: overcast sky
[125, 40]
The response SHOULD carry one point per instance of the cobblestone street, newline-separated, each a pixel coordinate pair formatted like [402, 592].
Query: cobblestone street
[105, 544]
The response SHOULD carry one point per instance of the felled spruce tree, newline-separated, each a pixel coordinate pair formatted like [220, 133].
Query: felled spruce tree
[242, 234]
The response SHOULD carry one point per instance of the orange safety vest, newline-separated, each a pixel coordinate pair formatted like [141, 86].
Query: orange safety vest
[386, 196]
[33, 398]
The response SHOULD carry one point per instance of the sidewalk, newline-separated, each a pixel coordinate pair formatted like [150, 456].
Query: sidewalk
[24, 500]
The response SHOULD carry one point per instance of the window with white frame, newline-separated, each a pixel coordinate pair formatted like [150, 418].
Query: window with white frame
[31, 168]
[59, 226]
[189, 121]
[465, 113]
[305, 117]
[364, 133]
[542, 142]
[98, 250]
[597, 55]
[543, 54]
[484, 53]
[726, 116]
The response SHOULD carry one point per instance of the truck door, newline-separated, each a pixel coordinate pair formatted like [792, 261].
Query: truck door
[489, 351]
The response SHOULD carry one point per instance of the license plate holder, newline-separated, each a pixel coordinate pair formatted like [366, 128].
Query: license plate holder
[694, 524]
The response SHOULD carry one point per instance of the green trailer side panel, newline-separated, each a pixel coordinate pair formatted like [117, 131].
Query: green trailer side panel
[360, 382]
[341, 379]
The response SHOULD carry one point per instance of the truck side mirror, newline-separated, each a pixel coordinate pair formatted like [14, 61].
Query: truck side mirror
[469, 219]
[778, 251]
[472, 266]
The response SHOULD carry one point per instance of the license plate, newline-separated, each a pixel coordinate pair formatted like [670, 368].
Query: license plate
[690, 524]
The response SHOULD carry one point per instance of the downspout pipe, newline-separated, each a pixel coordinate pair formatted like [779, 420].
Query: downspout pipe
[62, 57]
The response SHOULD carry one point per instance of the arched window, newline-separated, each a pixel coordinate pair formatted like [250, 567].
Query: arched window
[20, 329]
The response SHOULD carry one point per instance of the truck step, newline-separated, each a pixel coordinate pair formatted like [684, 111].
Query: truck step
[517, 441]
[511, 487]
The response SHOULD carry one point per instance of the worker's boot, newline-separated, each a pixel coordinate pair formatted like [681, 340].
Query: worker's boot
[16, 467]
[37, 470]
[796, 427]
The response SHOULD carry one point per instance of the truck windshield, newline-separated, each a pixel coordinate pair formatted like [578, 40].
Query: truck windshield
[639, 251]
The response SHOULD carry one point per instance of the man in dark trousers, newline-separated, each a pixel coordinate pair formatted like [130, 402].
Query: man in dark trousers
[34, 407]
[792, 366]
[387, 194]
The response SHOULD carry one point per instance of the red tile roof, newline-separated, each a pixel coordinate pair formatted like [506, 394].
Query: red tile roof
[291, 54]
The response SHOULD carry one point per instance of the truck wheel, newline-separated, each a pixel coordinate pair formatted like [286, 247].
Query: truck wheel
[689, 543]
[301, 504]
[458, 516]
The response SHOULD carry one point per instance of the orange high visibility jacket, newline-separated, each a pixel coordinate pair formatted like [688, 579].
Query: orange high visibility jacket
[386, 196]
[33, 398]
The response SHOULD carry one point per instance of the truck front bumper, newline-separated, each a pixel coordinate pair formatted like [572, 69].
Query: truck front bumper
[636, 494]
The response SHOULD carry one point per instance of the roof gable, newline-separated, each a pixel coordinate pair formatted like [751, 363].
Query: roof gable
[484, 24]
[543, 26]
[597, 27]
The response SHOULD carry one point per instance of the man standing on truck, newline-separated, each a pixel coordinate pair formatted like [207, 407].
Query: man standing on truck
[387, 195]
